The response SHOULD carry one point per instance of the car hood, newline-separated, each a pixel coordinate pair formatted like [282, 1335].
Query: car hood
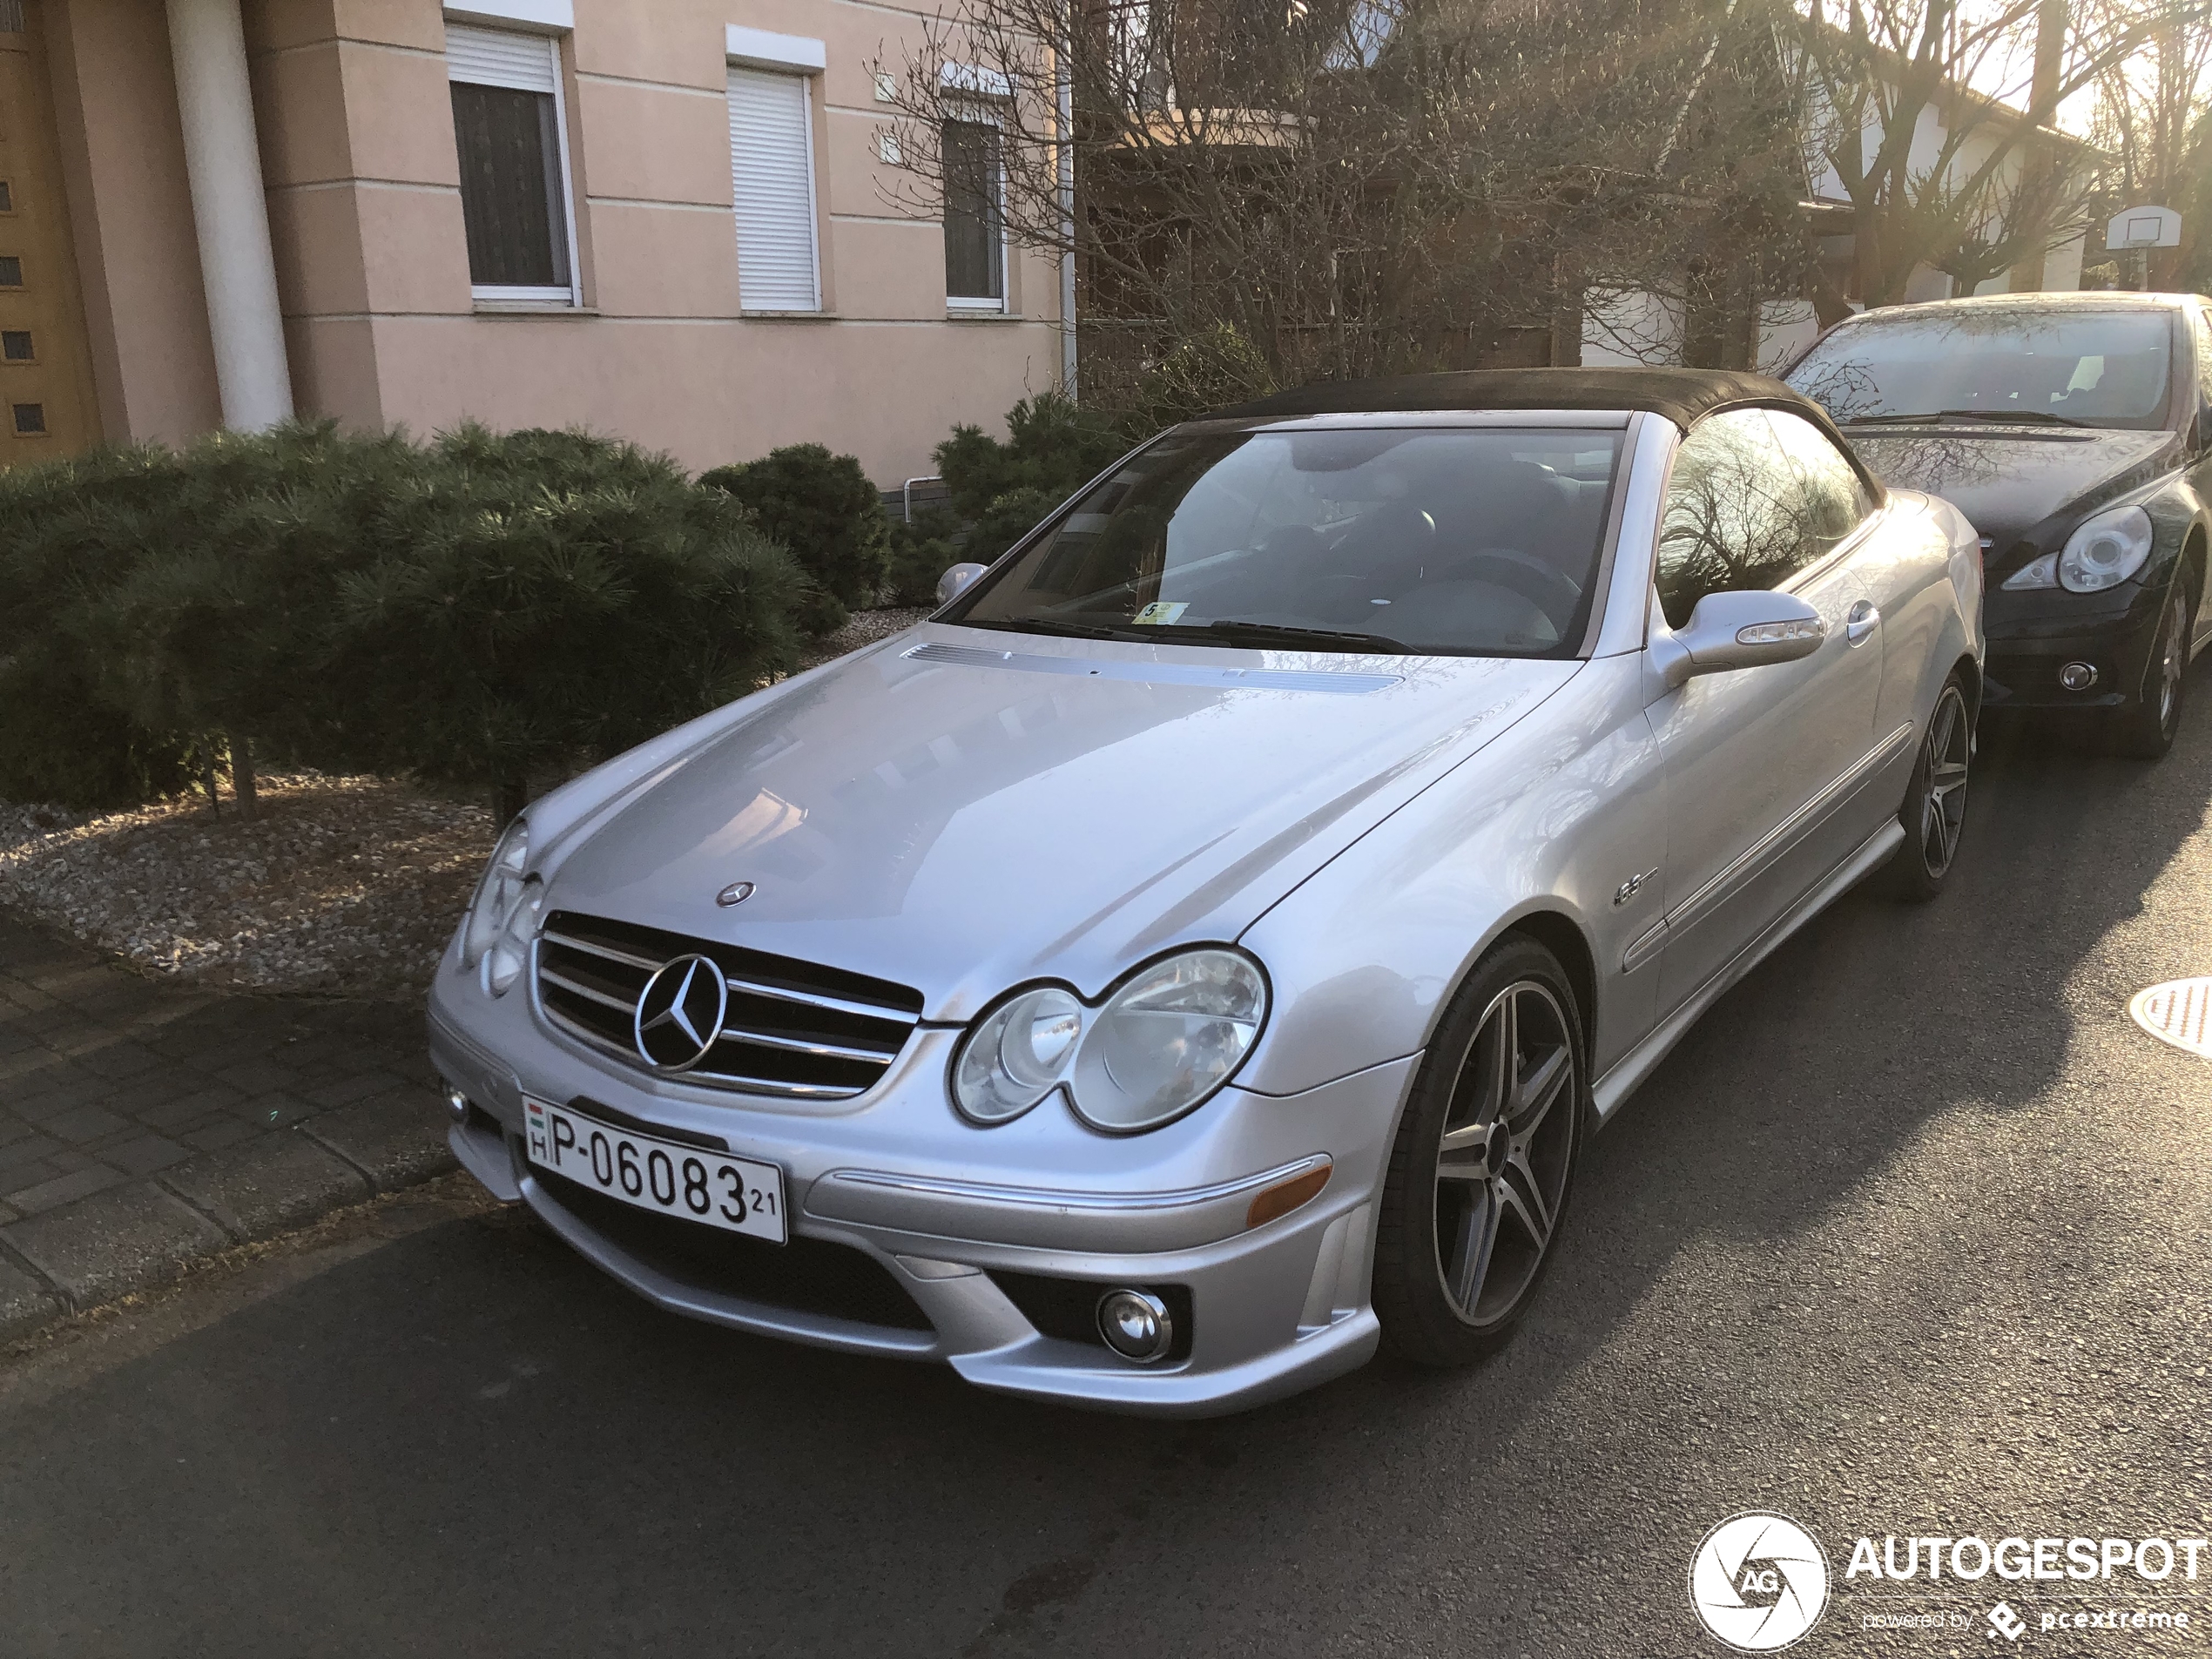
[2007, 481]
[961, 809]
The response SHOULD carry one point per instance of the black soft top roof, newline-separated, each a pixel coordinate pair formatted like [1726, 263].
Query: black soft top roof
[1682, 394]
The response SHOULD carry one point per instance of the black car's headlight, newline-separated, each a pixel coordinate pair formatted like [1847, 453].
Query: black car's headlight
[497, 931]
[1159, 1044]
[2108, 548]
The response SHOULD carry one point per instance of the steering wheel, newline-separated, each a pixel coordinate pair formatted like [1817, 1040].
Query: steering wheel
[1541, 585]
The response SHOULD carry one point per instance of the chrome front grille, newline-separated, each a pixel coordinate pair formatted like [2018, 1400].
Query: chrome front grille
[794, 1028]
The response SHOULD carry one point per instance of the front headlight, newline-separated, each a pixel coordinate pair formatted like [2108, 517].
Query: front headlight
[501, 898]
[1161, 1042]
[2106, 551]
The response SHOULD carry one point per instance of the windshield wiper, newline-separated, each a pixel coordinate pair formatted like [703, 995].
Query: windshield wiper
[1274, 633]
[1051, 625]
[1997, 417]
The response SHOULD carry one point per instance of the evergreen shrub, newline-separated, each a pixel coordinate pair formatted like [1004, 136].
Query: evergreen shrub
[824, 510]
[475, 611]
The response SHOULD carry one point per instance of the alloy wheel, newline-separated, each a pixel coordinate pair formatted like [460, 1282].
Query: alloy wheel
[1504, 1157]
[1943, 810]
[2175, 662]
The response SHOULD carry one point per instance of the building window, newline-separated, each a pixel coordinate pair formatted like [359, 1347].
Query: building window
[975, 216]
[771, 180]
[15, 346]
[7, 197]
[508, 125]
[30, 420]
[10, 271]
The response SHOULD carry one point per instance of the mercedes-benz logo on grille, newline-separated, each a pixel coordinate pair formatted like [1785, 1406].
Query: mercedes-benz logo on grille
[680, 1013]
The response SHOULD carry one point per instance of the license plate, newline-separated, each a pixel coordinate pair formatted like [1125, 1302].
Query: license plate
[714, 1189]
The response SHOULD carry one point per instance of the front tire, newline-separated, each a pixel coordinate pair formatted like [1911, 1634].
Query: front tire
[1484, 1161]
[2146, 728]
[1934, 812]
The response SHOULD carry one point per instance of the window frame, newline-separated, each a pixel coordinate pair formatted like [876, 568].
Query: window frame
[545, 296]
[979, 108]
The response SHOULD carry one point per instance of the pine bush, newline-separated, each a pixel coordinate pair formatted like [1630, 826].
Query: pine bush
[822, 507]
[476, 611]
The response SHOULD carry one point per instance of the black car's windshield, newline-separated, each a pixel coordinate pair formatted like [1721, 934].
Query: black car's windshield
[1466, 542]
[2047, 366]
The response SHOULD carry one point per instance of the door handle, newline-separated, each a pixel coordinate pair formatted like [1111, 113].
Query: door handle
[1862, 620]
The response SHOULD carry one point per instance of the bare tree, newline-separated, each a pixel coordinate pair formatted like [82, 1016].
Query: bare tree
[1359, 186]
[2154, 118]
[1905, 105]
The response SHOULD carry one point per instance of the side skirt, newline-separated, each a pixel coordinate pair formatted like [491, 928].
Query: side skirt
[1627, 1072]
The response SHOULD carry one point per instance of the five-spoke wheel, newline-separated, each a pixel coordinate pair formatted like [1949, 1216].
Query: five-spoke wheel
[1485, 1157]
[1934, 812]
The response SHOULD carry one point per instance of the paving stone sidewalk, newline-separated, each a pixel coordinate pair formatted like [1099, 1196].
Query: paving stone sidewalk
[143, 1125]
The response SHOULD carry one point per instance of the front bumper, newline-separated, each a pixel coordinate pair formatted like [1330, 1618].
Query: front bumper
[972, 1236]
[2029, 642]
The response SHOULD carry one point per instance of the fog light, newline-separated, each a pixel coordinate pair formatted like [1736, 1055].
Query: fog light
[1135, 1325]
[2077, 676]
[456, 1104]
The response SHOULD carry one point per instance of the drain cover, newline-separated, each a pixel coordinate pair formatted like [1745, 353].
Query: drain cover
[2179, 1012]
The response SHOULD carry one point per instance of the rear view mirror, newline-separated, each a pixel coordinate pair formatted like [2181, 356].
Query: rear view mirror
[954, 582]
[1732, 631]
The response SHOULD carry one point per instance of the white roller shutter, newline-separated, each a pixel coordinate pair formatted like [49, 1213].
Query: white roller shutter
[500, 57]
[772, 169]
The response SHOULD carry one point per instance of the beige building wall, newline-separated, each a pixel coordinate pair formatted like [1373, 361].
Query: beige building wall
[122, 156]
[362, 179]
[355, 122]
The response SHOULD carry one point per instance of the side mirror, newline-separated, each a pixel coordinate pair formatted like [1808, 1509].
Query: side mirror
[1732, 631]
[955, 581]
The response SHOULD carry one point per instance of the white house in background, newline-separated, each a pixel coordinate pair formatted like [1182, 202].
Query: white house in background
[1624, 327]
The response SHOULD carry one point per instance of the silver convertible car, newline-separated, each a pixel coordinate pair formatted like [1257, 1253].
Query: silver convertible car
[1200, 952]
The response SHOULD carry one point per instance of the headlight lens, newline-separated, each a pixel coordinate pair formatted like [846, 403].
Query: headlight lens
[2106, 551]
[1168, 1039]
[498, 895]
[1163, 1042]
[1017, 1055]
[503, 962]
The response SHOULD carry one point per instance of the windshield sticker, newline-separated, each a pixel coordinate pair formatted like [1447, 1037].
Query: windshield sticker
[1160, 613]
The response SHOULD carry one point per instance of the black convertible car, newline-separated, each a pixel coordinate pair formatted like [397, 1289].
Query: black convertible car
[2075, 431]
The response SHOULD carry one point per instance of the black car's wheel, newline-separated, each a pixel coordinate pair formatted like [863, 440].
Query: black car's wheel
[1484, 1161]
[2145, 728]
[1934, 812]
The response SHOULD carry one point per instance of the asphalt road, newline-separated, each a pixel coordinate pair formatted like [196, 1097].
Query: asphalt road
[1911, 1237]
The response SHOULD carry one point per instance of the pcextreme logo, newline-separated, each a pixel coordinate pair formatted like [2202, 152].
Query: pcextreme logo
[1759, 1581]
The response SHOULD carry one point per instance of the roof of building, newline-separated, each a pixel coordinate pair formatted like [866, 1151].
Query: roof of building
[1680, 394]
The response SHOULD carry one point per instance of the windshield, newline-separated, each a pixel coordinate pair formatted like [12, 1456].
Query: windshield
[1448, 543]
[2094, 368]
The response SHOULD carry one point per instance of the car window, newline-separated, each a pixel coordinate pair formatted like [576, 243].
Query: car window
[2077, 367]
[1740, 514]
[1462, 542]
[1836, 497]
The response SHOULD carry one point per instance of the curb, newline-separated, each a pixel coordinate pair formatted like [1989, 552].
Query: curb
[110, 1244]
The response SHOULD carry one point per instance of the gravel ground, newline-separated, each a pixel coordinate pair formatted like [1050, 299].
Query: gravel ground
[347, 885]
[865, 628]
[343, 886]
